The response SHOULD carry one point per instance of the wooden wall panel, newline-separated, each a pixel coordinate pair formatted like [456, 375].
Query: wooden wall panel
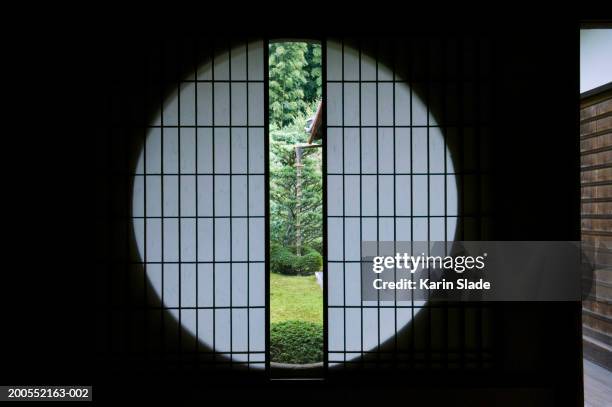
[596, 222]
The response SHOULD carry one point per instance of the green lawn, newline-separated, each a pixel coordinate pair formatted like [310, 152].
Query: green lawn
[295, 298]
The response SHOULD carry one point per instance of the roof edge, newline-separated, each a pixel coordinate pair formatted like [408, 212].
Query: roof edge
[596, 91]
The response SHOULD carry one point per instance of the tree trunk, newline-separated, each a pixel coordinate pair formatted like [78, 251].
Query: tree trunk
[298, 196]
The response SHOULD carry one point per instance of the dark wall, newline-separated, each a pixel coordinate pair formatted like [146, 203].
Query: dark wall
[524, 148]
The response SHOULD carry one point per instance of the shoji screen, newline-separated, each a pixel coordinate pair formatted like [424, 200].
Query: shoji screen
[198, 208]
[389, 177]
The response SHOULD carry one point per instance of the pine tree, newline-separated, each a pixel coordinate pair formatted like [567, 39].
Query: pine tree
[283, 202]
[295, 90]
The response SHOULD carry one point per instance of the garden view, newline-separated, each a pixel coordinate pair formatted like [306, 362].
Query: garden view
[296, 297]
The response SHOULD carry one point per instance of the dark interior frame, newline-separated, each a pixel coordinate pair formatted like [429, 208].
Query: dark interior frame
[538, 345]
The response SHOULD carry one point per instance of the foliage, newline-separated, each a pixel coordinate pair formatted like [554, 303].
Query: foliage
[287, 80]
[281, 259]
[295, 80]
[284, 208]
[317, 244]
[284, 261]
[296, 342]
[312, 90]
[295, 298]
[309, 262]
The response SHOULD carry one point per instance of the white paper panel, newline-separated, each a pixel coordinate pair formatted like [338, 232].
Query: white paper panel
[387, 180]
[199, 203]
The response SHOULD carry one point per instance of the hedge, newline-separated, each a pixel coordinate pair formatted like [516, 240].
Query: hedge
[284, 261]
[296, 342]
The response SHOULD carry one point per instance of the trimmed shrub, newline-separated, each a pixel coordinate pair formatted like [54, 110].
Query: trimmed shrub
[296, 342]
[284, 261]
[281, 259]
[308, 263]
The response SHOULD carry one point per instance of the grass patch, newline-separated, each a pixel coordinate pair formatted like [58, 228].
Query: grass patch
[295, 298]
